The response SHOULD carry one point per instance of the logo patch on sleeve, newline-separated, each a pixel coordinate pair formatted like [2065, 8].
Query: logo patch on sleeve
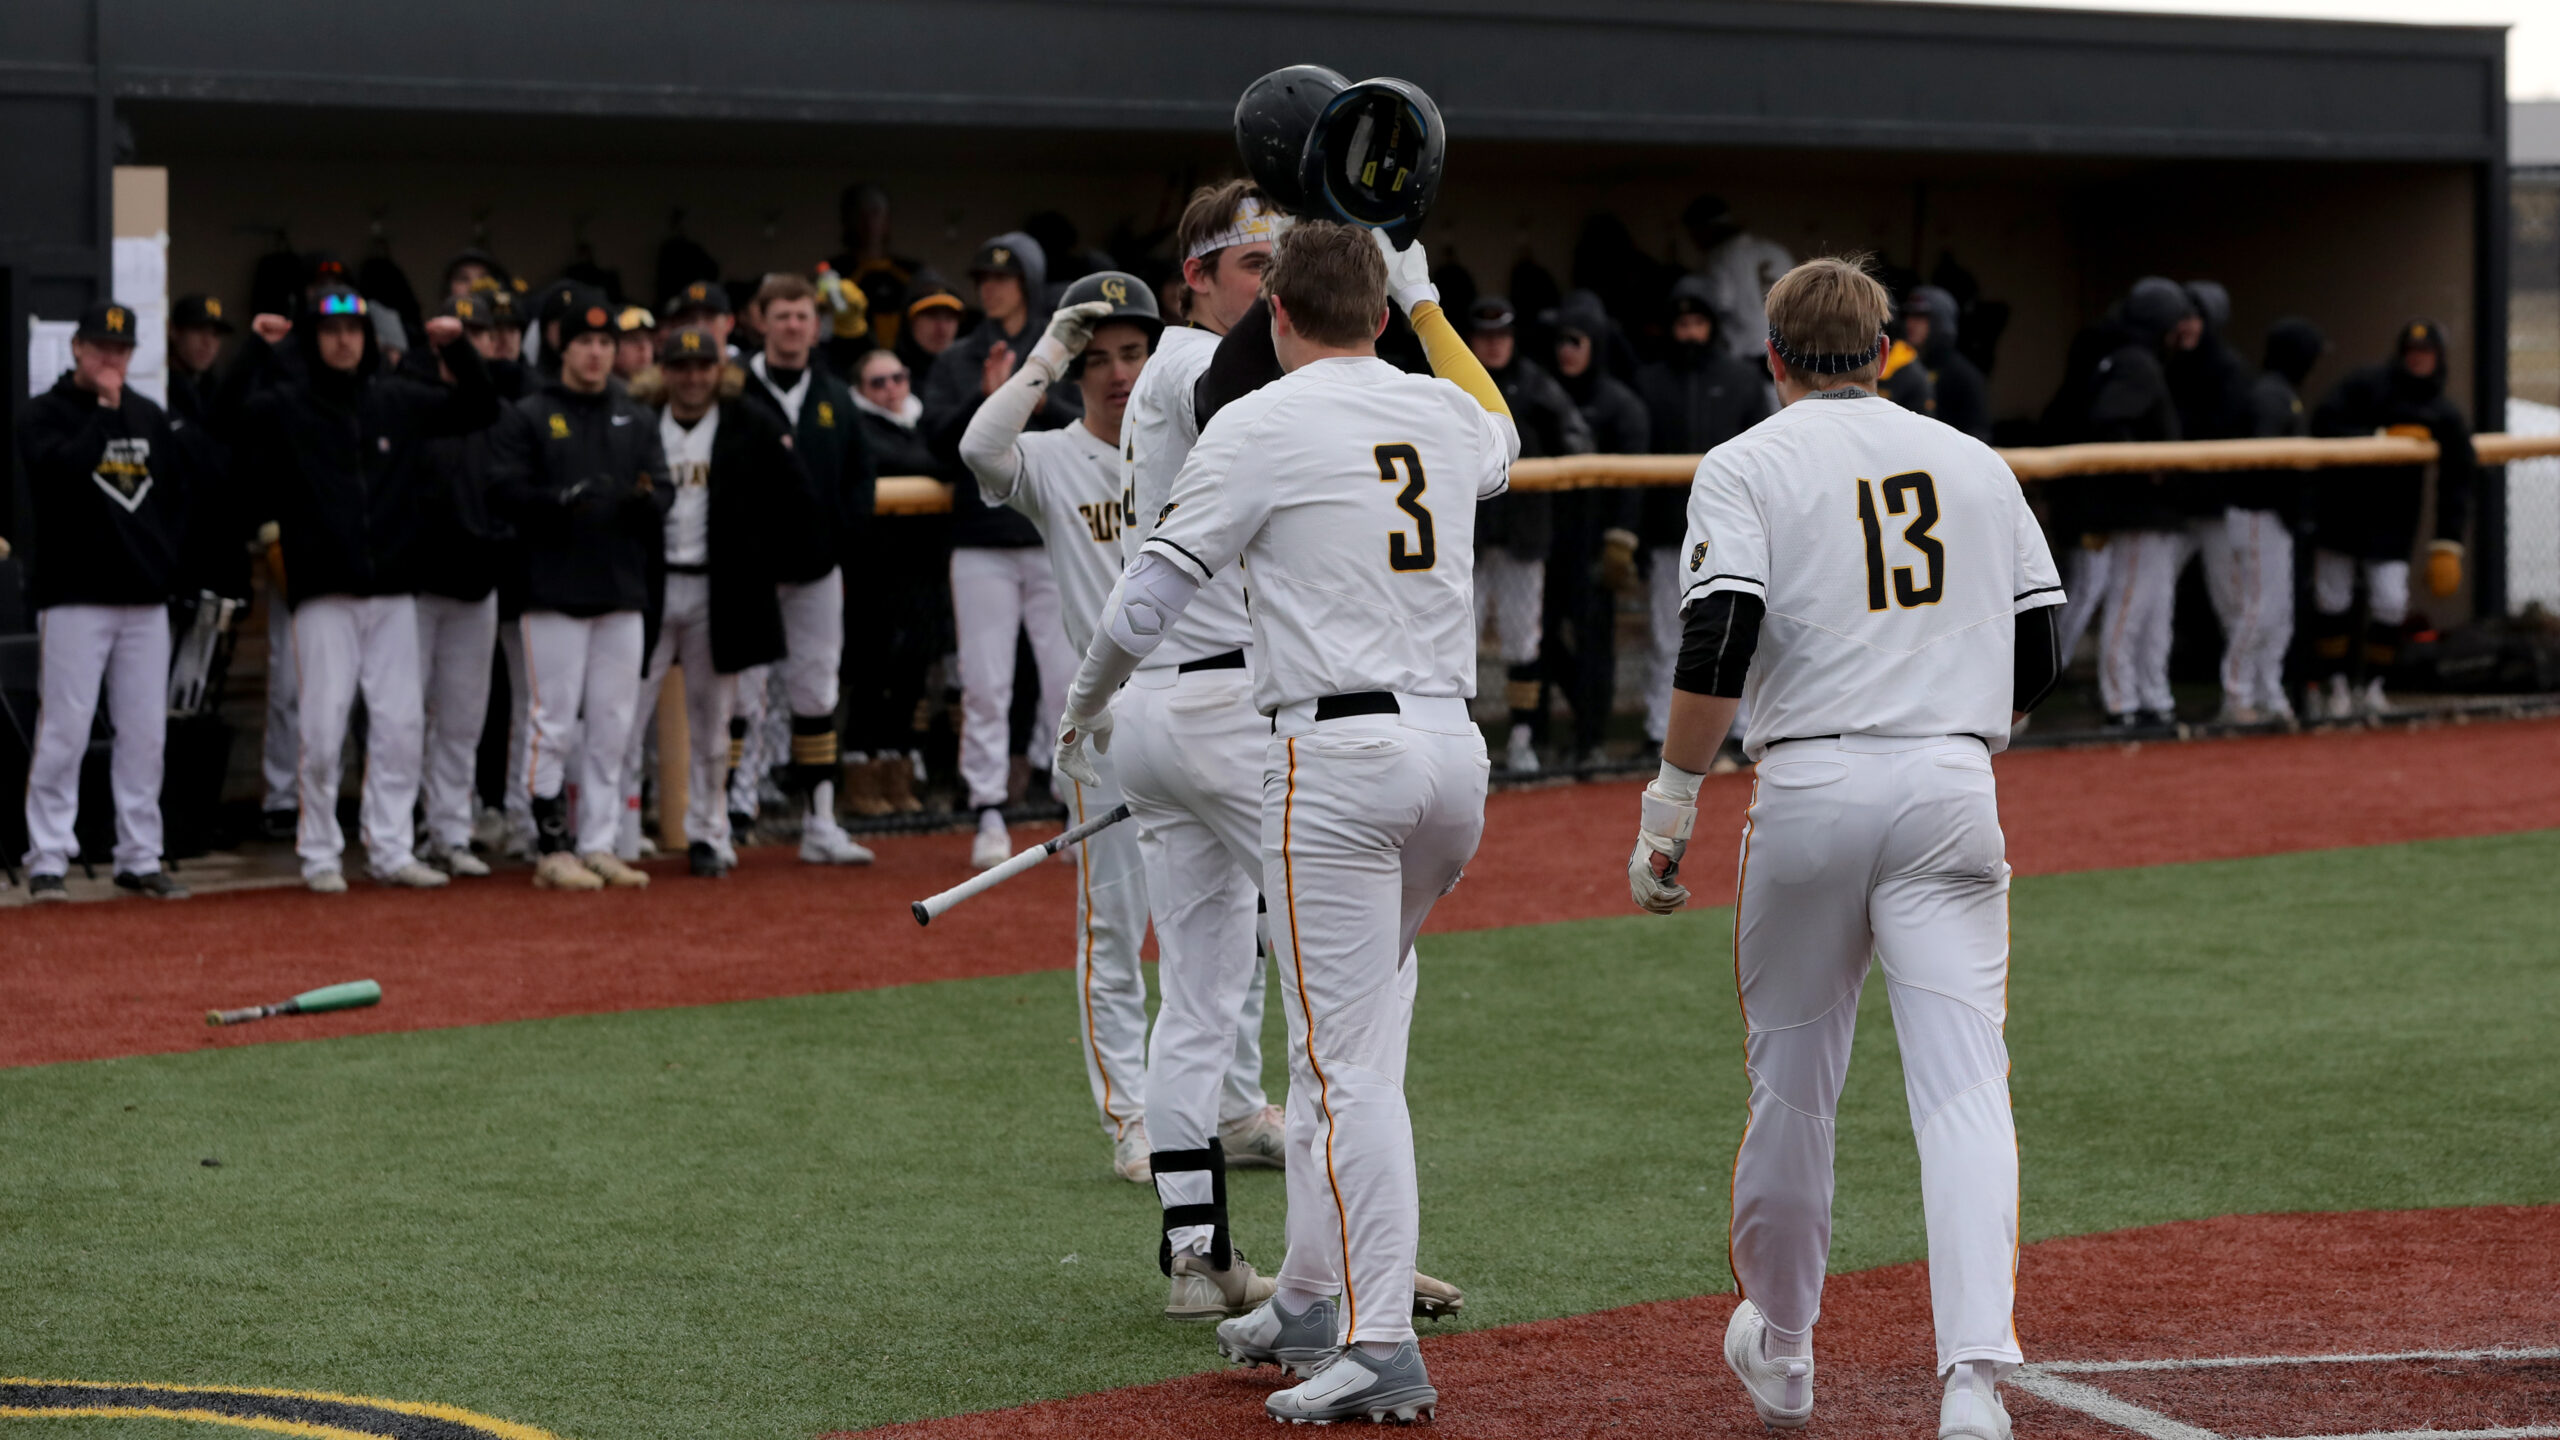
[1697, 557]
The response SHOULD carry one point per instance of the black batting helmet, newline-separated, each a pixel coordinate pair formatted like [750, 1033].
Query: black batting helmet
[1375, 157]
[1132, 302]
[1273, 119]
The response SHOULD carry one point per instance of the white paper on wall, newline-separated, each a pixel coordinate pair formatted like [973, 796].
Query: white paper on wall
[48, 352]
[142, 285]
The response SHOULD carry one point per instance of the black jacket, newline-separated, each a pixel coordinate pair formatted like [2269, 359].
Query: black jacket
[2210, 386]
[1963, 395]
[109, 492]
[2372, 513]
[758, 494]
[578, 476]
[2127, 399]
[952, 396]
[1619, 425]
[1698, 399]
[214, 553]
[342, 459]
[840, 477]
[1523, 522]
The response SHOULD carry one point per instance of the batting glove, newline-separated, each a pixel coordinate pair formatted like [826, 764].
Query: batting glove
[1670, 812]
[1080, 738]
[2444, 567]
[1408, 273]
[1070, 330]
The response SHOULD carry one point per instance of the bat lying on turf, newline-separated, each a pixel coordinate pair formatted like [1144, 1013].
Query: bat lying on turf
[985, 880]
[352, 995]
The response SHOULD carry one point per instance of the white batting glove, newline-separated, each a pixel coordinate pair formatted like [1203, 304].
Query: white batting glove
[1408, 273]
[1670, 812]
[1080, 738]
[1070, 330]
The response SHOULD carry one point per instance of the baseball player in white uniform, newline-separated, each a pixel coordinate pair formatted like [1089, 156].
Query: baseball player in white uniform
[1875, 584]
[1347, 489]
[1068, 482]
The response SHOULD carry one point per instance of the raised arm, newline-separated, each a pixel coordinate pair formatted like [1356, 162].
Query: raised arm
[991, 446]
[1409, 283]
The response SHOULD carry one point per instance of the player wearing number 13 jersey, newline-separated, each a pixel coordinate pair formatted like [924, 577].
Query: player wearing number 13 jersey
[1347, 489]
[1872, 582]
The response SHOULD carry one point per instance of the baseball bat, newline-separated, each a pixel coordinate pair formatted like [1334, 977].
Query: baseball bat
[985, 880]
[349, 996]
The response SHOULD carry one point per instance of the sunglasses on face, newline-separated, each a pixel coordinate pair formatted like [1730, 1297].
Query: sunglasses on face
[884, 380]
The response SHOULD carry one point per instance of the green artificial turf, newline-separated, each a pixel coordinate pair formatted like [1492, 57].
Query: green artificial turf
[778, 1218]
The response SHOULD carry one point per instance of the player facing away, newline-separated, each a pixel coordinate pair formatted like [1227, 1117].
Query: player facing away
[1878, 579]
[1347, 489]
[1068, 482]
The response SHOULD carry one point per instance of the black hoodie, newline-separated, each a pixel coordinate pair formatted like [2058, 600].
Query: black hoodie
[578, 476]
[342, 457]
[2276, 409]
[2210, 386]
[2372, 513]
[1697, 399]
[1523, 522]
[109, 492]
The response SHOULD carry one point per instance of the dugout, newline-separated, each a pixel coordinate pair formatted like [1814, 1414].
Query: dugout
[2352, 173]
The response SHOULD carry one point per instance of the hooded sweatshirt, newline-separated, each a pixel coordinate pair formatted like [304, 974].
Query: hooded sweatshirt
[2128, 399]
[567, 470]
[2276, 409]
[954, 391]
[109, 494]
[2373, 513]
[2210, 386]
[1963, 395]
[1697, 398]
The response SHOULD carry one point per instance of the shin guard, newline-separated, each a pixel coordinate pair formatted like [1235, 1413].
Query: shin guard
[1213, 1159]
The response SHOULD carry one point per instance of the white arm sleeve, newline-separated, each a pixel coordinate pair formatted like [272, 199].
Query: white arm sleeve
[1151, 596]
[991, 445]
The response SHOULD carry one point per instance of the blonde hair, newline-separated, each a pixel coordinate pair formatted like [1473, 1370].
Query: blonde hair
[1824, 317]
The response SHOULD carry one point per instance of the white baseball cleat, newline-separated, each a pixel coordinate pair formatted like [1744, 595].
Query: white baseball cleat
[458, 861]
[1972, 1412]
[831, 847]
[1299, 1344]
[1129, 1156]
[2372, 701]
[325, 882]
[413, 876]
[1781, 1390]
[994, 844]
[2342, 699]
[1520, 756]
[1259, 1141]
[1358, 1386]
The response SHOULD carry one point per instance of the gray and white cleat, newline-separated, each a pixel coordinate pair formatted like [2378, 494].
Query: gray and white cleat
[1357, 1386]
[1781, 1390]
[1298, 1344]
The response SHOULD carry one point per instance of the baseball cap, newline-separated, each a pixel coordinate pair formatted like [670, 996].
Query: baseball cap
[560, 297]
[1489, 313]
[106, 323]
[631, 319]
[477, 310]
[199, 312]
[593, 319]
[998, 257]
[707, 297]
[1580, 313]
[339, 300]
[692, 342]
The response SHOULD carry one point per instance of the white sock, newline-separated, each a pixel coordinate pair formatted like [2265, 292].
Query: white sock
[1980, 1376]
[1378, 1349]
[1295, 1300]
[1777, 1344]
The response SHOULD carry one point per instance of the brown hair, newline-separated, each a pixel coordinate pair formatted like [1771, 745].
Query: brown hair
[1212, 209]
[1332, 280]
[1826, 314]
[783, 285]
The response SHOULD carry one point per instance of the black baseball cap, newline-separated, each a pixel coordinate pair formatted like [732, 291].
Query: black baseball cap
[689, 343]
[998, 257]
[106, 323]
[1490, 313]
[705, 297]
[560, 297]
[477, 310]
[594, 319]
[199, 312]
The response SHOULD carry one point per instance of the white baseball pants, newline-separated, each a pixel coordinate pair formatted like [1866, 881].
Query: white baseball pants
[1189, 755]
[2133, 648]
[684, 638]
[2088, 577]
[1512, 593]
[2386, 586]
[345, 645]
[2256, 556]
[455, 641]
[1885, 849]
[1111, 924]
[582, 670]
[1366, 822]
[813, 642]
[279, 749]
[994, 594]
[125, 648]
[762, 746]
[518, 803]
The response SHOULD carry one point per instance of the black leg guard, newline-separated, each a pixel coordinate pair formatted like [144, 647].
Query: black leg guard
[2381, 647]
[1214, 1214]
[737, 741]
[551, 824]
[1521, 692]
[813, 751]
[2329, 643]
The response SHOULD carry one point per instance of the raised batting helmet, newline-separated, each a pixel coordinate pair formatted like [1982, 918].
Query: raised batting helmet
[1131, 299]
[1273, 119]
[1374, 158]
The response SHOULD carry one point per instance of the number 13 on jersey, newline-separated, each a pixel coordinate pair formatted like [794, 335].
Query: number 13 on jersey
[1912, 492]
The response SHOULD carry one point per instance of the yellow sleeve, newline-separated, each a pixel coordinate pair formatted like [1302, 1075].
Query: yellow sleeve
[1451, 360]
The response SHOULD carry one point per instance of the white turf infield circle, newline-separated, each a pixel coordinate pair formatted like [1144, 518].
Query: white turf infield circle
[2049, 1382]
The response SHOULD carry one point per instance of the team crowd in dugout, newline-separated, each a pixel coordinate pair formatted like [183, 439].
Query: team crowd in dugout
[502, 513]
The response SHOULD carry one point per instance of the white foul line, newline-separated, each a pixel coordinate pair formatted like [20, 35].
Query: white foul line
[2221, 1362]
[2089, 1400]
[2510, 1432]
[2045, 1382]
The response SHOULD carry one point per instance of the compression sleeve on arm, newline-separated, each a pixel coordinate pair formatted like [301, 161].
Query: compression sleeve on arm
[1150, 597]
[988, 446]
[2039, 659]
[1718, 634]
[1451, 360]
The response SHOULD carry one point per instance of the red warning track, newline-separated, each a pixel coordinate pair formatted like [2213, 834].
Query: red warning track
[87, 981]
[2255, 1287]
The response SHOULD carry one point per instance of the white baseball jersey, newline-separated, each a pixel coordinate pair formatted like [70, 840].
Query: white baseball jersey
[1349, 489]
[1156, 436]
[1070, 487]
[1894, 554]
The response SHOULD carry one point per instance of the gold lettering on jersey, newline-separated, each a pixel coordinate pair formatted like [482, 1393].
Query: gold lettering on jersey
[1103, 519]
[124, 472]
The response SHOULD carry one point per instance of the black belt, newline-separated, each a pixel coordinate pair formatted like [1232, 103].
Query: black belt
[1232, 660]
[675, 569]
[1357, 702]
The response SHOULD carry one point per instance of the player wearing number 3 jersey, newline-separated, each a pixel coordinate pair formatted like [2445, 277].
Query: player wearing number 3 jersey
[1347, 488]
[1871, 581]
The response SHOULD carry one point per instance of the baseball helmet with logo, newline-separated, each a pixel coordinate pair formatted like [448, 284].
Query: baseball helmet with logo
[1132, 300]
[1374, 158]
[1273, 120]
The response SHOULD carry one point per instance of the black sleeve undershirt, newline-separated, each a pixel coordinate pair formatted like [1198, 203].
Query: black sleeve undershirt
[2039, 659]
[1717, 635]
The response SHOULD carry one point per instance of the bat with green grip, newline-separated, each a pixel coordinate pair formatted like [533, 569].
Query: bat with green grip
[349, 996]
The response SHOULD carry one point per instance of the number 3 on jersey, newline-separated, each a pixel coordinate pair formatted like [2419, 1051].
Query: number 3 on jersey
[1423, 551]
[1910, 491]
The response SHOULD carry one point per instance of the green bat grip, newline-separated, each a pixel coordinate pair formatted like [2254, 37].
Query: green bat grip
[348, 996]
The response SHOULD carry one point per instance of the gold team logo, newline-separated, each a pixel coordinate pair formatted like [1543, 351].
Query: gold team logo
[826, 415]
[461, 309]
[559, 426]
[1001, 256]
[119, 320]
[213, 309]
[691, 344]
[124, 471]
[697, 291]
[1115, 291]
[1697, 556]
